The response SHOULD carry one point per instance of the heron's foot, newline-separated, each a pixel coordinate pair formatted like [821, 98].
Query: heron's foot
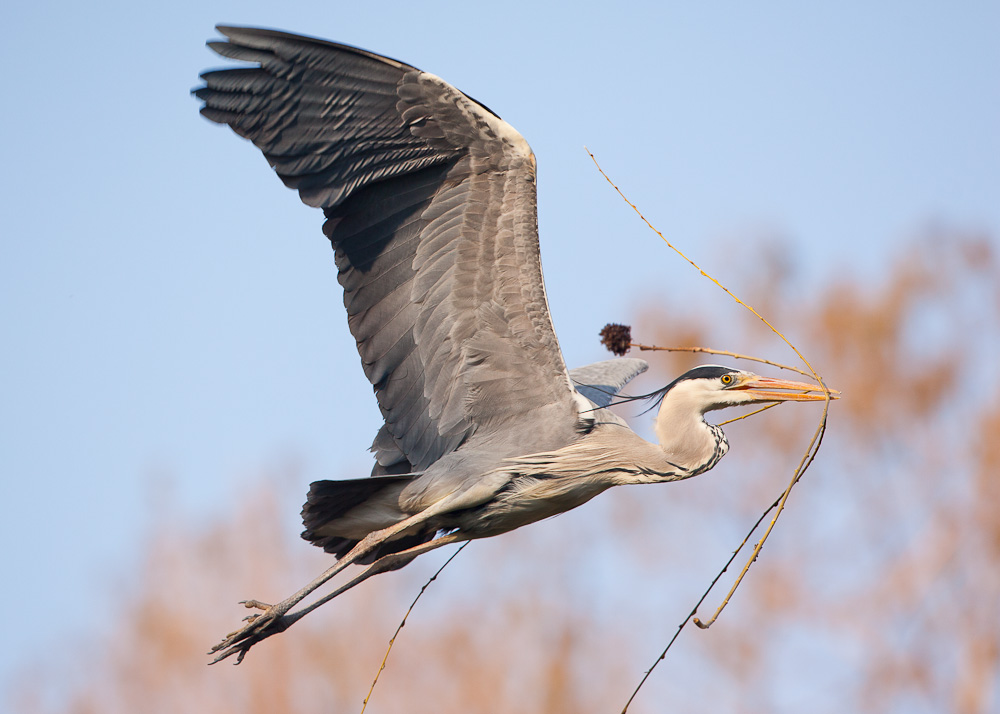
[260, 626]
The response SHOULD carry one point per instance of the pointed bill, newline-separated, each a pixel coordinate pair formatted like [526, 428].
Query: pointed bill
[763, 389]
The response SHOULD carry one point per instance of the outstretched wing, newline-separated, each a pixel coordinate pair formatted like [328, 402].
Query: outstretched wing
[430, 206]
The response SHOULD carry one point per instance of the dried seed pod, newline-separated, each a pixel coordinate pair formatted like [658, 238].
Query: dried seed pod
[617, 338]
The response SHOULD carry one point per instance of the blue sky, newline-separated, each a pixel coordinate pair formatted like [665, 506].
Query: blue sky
[170, 312]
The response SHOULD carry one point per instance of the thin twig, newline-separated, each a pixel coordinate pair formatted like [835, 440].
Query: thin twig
[687, 618]
[804, 463]
[402, 622]
[749, 414]
[807, 459]
[725, 353]
[699, 269]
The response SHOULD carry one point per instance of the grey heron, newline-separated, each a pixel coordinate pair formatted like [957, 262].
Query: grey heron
[429, 199]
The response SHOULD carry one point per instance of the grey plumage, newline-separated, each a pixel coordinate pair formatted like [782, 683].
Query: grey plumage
[425, 193]
[601, 381]
[429, 200]
[328, 501]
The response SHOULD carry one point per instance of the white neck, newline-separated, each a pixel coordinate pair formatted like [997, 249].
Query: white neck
[686, 439]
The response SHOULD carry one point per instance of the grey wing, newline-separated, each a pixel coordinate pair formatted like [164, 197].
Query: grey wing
[430, 206]
[601, 381]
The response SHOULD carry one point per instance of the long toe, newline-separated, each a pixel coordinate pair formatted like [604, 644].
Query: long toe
[259, 627]
[255, 604]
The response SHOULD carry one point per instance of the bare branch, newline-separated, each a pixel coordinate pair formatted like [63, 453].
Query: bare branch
[725, 353]
[804, 463]
[402, 622]
[704, 595]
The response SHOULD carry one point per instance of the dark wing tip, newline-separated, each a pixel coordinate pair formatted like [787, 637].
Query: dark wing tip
[259, 37]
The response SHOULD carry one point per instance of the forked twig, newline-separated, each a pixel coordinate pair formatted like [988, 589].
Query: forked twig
[804, 463]
[402, 622]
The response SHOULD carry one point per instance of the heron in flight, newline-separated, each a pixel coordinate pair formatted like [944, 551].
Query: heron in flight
[429, 199]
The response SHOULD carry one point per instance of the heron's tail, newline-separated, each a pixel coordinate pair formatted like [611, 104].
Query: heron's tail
[338, 514]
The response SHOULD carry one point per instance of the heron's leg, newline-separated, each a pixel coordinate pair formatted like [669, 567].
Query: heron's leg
[274, 620]
[240, 646]
[386, 562]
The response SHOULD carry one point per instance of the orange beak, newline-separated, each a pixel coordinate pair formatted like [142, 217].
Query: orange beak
[761, 390]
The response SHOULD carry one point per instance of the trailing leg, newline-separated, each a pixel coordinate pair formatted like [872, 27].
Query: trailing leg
[274, 618]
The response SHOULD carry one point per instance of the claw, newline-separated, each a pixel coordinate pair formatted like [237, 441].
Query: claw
[259, 627]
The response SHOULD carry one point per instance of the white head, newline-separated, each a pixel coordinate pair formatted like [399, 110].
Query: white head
[680, 426]
[712, 386]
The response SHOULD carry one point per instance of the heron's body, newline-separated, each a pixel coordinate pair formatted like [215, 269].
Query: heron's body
[495, 487]
[501, 494]
[429, 200]
[502, 486]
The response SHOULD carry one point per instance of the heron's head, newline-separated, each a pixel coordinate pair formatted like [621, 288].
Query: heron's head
[710, 387]
[693, 446]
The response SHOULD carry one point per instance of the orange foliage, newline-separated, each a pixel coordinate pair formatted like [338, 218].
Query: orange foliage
[877, 592]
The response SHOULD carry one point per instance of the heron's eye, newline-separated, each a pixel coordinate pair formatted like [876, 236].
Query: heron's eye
[727, 379]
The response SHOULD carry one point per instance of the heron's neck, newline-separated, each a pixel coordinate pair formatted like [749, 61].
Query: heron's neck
[686, 438]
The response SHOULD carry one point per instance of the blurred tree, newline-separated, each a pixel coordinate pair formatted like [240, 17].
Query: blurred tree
[877, 592]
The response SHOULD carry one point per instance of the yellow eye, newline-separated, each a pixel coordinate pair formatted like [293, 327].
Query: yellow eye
[727, 379]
